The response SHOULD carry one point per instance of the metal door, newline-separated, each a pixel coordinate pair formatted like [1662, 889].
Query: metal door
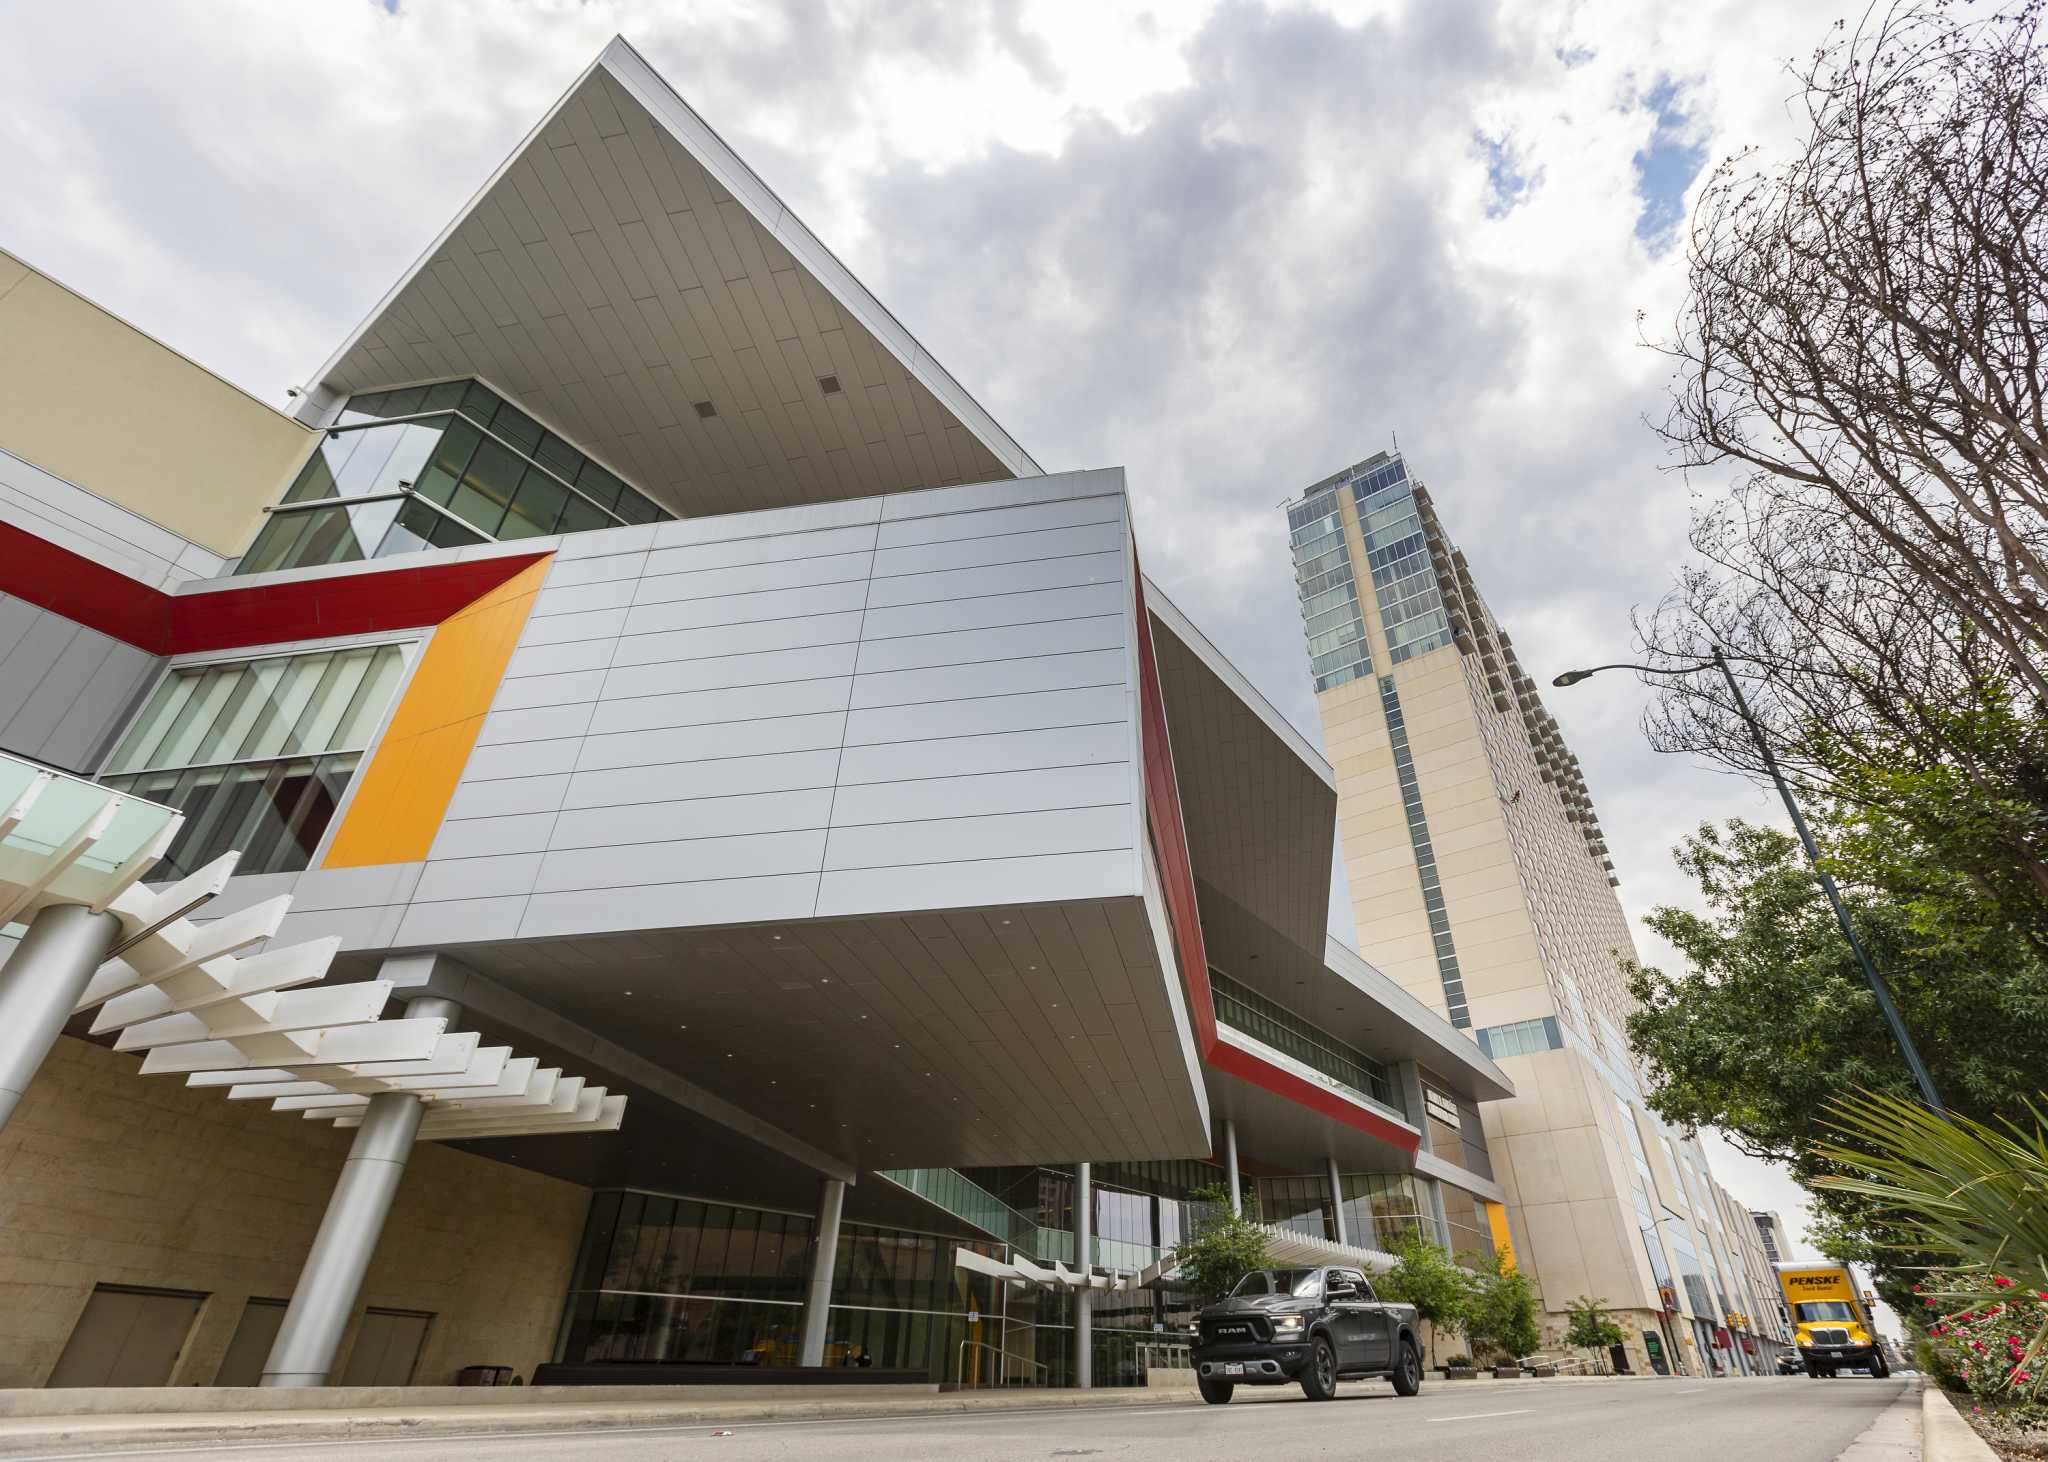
[127, 1337]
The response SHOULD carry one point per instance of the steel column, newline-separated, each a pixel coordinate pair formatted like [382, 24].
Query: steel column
[324, 1300]
[1337, 1203]
[818, 1303]
[1230, 1165]
[40, 985]
[1084, 1299]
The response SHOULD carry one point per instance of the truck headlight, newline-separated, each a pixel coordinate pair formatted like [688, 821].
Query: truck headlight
[1288, 1324]
[1806, 1340]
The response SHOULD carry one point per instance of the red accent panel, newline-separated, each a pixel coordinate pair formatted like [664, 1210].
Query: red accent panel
[74, 586]
[400, 597]
[1226, 1057]
[1169, 834]
[1176, 872]
[350, 604]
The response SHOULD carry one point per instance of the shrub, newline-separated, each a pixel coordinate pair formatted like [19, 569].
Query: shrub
[1220, 1249]
[1975, 1197]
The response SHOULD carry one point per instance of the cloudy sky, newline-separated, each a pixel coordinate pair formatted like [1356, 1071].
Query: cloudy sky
[1231, 248]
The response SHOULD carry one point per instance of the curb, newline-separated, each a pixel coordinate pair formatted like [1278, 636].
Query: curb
[1945, 1433]
[92, 1434]
[77, 1434]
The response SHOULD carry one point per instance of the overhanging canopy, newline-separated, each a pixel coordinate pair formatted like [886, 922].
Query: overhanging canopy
[626, 278]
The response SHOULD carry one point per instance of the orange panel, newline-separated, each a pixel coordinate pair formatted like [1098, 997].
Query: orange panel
[404, 791]
[1503, 1244]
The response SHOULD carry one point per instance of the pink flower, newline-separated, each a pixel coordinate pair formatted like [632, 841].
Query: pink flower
[2001, 1281]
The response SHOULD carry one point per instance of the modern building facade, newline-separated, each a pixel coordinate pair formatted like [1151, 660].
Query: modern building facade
[1481, 883]
[780, 882]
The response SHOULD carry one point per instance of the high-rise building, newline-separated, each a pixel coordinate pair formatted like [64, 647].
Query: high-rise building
[1771, 1231]
[815, 878]
[1480, 881]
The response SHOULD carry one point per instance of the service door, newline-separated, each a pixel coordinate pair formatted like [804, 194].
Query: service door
[387, 1348]
[127, 1337]
[255, 1334]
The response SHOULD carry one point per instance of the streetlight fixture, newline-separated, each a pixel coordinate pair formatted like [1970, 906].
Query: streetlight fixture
[1876, 981]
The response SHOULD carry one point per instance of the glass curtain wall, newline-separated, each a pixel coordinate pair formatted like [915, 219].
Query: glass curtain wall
[1328, 590]
[437, 467]
[676, 1280]
[1403, 569]
[256, 753]
[1456, 1133]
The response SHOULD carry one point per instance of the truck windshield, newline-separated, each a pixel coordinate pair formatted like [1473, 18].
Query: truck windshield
[1303, 1284]
[1837, 1310]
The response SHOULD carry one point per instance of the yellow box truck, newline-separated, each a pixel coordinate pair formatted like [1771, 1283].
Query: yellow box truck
[1832, 1325]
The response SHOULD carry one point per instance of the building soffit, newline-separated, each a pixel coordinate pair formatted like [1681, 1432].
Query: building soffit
[1260, 809]
[623, 265]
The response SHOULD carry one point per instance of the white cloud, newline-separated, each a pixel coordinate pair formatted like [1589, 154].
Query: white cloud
[1231, 248]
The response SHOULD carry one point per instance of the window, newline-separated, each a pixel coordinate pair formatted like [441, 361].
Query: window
[1521, 1038]
[436, 467]
[256, 753]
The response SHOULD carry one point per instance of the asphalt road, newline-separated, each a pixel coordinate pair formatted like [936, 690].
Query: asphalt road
[1784, 1420]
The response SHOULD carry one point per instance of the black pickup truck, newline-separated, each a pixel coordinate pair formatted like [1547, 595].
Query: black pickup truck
[1316, 1326]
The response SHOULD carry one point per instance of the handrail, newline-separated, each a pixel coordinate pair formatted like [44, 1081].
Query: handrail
[1002, 1370]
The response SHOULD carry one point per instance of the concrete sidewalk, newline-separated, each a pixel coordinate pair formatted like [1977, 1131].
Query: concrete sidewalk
[323, 1416]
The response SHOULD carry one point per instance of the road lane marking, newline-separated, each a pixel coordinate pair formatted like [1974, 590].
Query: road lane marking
[1478, 1415]
[1692, 1390]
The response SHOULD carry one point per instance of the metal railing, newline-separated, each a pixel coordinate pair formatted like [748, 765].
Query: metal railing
[1002, 1367]
[1166, 1355]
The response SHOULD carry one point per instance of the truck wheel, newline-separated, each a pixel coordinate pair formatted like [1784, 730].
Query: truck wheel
[1812, 1371]
[1880, 1368]
[1216, 1393]
[1408, 1371]
[1319, 1381]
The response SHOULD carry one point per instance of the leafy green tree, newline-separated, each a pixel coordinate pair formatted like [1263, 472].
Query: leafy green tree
[1773, 1019]
[1590, 1328]
[1502, 1319]
[1426, 1277]
[1220, 1249]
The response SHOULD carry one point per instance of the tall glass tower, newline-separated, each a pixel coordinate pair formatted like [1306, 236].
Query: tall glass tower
[1481, 881]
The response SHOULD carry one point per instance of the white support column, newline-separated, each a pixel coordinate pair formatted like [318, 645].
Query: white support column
[41, 984]
[1230, 1165]
[818, 1303]
[324, 1300]
[1084, 1299]
[1337, 1203]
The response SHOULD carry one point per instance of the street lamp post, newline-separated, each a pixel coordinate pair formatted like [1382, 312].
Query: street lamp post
[1878, 987]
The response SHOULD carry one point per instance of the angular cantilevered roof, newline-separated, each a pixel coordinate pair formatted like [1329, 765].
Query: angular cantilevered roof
[626, 278]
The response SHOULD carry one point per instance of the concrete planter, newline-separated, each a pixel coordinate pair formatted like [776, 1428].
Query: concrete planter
[1507, 1373]
[1461, 1373]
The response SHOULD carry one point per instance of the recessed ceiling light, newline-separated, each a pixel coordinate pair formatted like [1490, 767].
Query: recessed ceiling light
[705, 409]
[628, 992]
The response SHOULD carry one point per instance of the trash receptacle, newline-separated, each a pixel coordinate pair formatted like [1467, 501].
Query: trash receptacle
[484, 1376]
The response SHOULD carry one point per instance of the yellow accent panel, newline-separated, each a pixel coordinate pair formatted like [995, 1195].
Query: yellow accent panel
[405, 790]
[1503, 1242]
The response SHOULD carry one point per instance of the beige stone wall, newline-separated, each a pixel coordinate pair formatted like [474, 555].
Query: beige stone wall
[108, 1178]
[93, 400]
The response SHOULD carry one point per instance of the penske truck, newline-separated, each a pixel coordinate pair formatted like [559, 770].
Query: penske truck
[1832, 1321]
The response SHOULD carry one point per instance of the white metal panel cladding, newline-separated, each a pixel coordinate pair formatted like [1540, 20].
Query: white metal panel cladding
[913, 703]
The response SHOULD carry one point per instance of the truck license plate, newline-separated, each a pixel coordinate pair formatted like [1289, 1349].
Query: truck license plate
[1233, 1368]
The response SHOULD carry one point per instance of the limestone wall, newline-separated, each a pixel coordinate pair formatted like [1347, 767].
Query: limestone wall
[107, 1178]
